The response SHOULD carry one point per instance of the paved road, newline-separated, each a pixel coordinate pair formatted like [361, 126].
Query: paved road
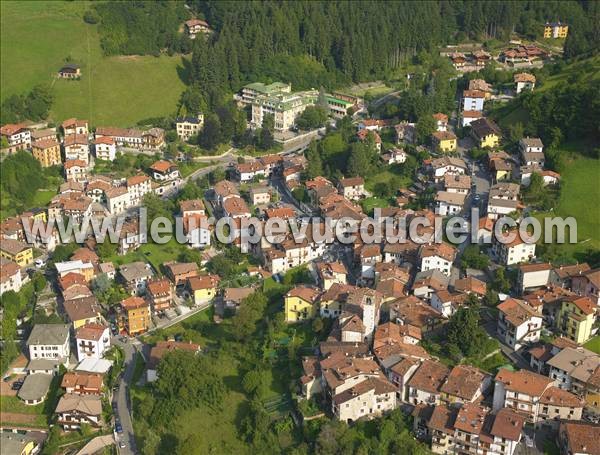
[121, 397]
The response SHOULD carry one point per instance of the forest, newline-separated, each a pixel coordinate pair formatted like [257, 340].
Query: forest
[326, 43]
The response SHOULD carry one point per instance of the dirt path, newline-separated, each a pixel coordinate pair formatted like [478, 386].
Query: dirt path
[14, 417]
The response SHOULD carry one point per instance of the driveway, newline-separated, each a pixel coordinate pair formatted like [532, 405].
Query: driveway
[121, 397]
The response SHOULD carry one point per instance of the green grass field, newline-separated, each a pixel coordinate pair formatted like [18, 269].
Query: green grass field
[38, 36]
[579, 187]
[593, 344]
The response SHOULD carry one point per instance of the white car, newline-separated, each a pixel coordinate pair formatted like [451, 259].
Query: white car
[39, 263]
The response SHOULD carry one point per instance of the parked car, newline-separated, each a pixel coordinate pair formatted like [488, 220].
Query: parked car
[118, 427]
[39, 263]
[122, 444]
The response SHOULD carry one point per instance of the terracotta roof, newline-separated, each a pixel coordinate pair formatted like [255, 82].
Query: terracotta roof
[523, 381]
[11, 128]
[178, 268]
[442, 250]
[363, 134]
[352, 181]
[162, 166]
[75, 139]
[581, 437]
[471, 284]
[79, 379]
[108, 140]
[555, 396]
[90, 331]
[159, 287]
[429, 376]
[516, 311]
[307, 293]
[459, 181]
[191, 205]
[71, 279]
[163, 347]
[131, 303]
[470, 418]
[85, 255]
[463, 381]
[8, 269]
[524, 77]
[472, 114]
[73, 122]
[508, 424]
[236, 206]
[585, 304]
[283, 213]
[137, 179]
[117, 132]
[442, 419]
[440, 117]
[473, 94]
[203, 282]
[413, 310]
[530, 268]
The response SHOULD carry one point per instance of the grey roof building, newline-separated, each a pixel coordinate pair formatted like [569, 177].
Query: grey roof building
[48, 334]
[35, 388]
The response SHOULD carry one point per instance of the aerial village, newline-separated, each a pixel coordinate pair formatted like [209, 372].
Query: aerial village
[383, 303]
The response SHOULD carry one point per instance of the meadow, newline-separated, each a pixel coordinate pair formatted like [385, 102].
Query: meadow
[38, 37]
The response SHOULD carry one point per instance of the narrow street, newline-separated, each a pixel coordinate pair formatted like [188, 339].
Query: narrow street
[121, 398]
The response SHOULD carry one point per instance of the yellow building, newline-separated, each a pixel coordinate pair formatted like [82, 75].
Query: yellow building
[444, 141]
[555, 30]
[16, 251]
[204, 288]
[301, 303]
[576, 318]
[486, 133]
[136, 315]
[47, 152]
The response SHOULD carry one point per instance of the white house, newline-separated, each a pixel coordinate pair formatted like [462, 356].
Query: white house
[447, 165]
[438, 256]
[352, 188]
[473, 100]
[533, 276]
[513, 251]
[49, 341]
[518, 323]
[449, 203]
[105, 148]
[10, 276]
[371, 397]
[76, 147]
[92, 341]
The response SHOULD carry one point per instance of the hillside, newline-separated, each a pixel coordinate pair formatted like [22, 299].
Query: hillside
[38, 36]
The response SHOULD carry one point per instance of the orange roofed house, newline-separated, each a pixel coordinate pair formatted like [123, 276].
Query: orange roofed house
[160, 295]
[135, 317]
[161, 349]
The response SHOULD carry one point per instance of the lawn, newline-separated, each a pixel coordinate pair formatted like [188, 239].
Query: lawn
[373, 202]
[589, 67]
[579, 186]
[153, 253]
[593, 344]
[37, 37]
